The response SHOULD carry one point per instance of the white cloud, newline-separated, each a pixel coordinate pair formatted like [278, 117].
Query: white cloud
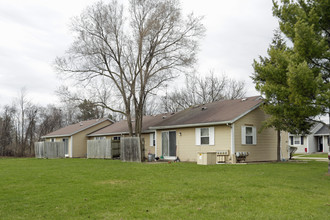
[34, 32]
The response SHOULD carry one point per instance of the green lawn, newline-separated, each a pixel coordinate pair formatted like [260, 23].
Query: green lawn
[106, 189]
[325, 155]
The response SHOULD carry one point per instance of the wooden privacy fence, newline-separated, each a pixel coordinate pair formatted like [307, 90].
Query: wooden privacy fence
[103, 149]
[130, 149]
[49, 149]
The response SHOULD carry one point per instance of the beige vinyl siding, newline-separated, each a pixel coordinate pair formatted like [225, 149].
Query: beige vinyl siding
[79, 148]
[58, 139]
[186, 143]
[148, 148]
[265, 149]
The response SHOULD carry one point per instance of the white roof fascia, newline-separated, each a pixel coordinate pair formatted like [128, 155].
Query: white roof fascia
[119, 133]
[316, 128]
[53, 136]
[312, 132]
[192, 125]
[105, 134]
[321, 134]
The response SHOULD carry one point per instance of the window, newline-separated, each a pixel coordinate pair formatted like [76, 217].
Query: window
[249, 135]
[297, 140]
[204, 136]
[152, 139]
[52, 140]
[116, 138]
[99, 138]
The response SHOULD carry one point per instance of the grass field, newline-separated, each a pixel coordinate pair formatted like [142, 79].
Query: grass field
[106, 189]
[325, 155]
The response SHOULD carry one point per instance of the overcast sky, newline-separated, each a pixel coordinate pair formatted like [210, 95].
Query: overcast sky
[34, 32]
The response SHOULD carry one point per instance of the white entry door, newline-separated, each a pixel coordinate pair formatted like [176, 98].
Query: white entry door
[66, 146]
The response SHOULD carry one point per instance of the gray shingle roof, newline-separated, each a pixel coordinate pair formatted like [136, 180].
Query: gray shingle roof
[324, 130]
[121, 127]
[226, 111]
[75, 128]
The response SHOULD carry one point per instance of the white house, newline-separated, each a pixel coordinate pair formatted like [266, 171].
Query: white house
[316, 141]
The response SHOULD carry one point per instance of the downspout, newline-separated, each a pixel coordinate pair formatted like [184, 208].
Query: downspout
[71, 147]
[155, 143]
[232, 145]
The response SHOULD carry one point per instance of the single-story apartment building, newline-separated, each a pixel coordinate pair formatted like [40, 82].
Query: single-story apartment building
[228, 125]
[75, 136]
[120, 129]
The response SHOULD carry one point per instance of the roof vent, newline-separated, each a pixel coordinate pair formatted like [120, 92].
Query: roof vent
[204, 108]
[164, 117]
[172, 113]
[244, 99]
[81, 124]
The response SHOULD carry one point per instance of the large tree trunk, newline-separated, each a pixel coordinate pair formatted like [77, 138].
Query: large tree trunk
[129, 124]
[138, 126]
[329, 147]
[278, 145]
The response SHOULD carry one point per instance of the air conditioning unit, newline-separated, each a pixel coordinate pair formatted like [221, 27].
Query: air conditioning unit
[222, 156]
[241, 156]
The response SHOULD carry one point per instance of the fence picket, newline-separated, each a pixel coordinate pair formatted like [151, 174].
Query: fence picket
[100, 149]
[130, 149]
[49, 149]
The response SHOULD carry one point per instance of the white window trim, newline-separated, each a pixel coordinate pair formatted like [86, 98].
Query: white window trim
[99, 138]
[296, 138]
[152, 140]
[299, 137]
[254, 135]
[198, 136]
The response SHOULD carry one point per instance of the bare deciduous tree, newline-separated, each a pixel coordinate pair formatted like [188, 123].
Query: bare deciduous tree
[97, 93]
[51, 118]
[137, 54]
[7, 131]
[199, 90]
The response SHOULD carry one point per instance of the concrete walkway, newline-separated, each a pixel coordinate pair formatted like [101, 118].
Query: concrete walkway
[309, 158]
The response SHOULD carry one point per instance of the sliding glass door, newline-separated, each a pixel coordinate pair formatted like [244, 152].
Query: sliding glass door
[169, 143]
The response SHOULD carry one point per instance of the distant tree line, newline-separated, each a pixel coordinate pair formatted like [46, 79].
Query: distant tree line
[23, 123]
